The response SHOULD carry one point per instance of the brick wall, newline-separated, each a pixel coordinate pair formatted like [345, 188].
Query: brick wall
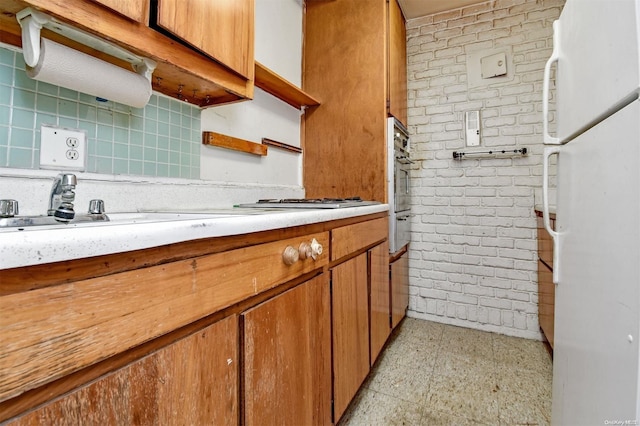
[473, 255]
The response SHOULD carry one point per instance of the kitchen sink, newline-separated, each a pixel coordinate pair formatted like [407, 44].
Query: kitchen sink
[21, 222]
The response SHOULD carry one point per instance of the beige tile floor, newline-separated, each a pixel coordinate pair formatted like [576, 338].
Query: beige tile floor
[437, 374]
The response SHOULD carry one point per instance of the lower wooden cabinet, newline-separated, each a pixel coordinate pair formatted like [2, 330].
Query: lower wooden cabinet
[350, 321]
[288, 346]
[546, 300]
[380, 298]
[287, 358]
[399, 289]
[546, 287]
[174, 385]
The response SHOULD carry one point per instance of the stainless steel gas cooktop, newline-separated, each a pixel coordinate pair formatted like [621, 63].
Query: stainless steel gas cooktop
[310, 203]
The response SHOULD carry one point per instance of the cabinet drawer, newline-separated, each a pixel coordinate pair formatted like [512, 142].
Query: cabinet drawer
[52, 331]
[545, 243]
[351, 238]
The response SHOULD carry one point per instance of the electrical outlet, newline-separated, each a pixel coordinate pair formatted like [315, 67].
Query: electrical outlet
[62, 148]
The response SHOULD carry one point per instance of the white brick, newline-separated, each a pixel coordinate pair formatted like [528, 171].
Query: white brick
[490, 252]
[449, 268]
[495, 316]
[520, 320]
[463, 298]
[479, 290]
[450, 288]
[521, 279]
[495, 282]
[451, 310]
[430, 293]
[465, 240]
[517, 254]
[526, 307]
[466, 259]
[507, 318]
[431, 306]
[502, 222]
[498, 262]
[464, 279]
[474, 236]
[514, 295]
[461, 312]
[418, 304]
[497, 202]
[495, 303]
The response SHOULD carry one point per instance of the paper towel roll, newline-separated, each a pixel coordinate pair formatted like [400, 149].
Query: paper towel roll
[66, 67]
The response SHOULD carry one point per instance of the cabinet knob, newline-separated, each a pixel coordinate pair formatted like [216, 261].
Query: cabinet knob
[310, 250]
[290, 255]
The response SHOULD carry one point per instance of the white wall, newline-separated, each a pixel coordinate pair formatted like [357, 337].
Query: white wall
[278, 45]
[228, 177]
[473, 255]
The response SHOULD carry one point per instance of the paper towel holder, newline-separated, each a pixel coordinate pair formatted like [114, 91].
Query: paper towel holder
[32, 21]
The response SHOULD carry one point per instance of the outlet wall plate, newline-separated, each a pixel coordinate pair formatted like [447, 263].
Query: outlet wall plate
[62, 148]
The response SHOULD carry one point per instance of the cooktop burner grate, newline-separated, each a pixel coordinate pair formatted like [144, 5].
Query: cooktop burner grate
[311, 203]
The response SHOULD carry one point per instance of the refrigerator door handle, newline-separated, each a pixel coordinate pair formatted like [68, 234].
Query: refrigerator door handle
[548, 152]
[555, 54]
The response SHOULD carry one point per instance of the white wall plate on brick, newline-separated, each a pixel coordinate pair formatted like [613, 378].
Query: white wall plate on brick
[62, 148]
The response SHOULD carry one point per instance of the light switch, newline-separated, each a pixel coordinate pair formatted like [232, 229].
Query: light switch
[493, 65]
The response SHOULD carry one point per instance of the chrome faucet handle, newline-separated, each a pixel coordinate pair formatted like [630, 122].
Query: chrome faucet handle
[8, 208]
[68, 179]
[96, 207]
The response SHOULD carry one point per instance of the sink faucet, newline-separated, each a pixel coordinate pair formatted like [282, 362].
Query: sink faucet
[62, 196]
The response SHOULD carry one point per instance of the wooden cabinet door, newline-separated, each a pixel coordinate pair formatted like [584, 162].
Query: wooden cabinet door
[350, 307]
[193, 381]
[222, 29]
[138, 10]
[397, 63]
[380, 299]
[399, 289]
[287, 358]
[344, 65]
[546, 300]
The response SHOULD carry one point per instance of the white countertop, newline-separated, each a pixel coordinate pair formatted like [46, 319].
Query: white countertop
[45, 244]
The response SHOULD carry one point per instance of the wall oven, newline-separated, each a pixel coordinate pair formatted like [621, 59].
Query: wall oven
[399, 188]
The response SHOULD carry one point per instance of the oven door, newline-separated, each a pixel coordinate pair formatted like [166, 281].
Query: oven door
[400, 224]
[401, 187]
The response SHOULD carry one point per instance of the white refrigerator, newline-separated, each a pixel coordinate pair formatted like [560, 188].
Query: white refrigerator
[596, 59]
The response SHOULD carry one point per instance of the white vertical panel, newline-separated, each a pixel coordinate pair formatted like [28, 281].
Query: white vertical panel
[279, 37]
[279, 47]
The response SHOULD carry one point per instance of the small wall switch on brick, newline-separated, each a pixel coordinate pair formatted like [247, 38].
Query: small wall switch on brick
[62, 148]
[472, 126]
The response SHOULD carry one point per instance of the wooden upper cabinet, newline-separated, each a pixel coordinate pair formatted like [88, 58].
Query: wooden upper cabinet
[397, 63]
[183, 71]
[138, 10]
[221, 29]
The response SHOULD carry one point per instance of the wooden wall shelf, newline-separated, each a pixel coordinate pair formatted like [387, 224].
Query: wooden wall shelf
[229, 142]
[281, 88]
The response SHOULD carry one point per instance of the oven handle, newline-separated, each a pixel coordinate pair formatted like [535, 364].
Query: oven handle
[404, 217]
[404, 160]
[406, 183]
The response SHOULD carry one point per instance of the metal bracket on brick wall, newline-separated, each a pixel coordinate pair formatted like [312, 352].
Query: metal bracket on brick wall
[494, 153]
